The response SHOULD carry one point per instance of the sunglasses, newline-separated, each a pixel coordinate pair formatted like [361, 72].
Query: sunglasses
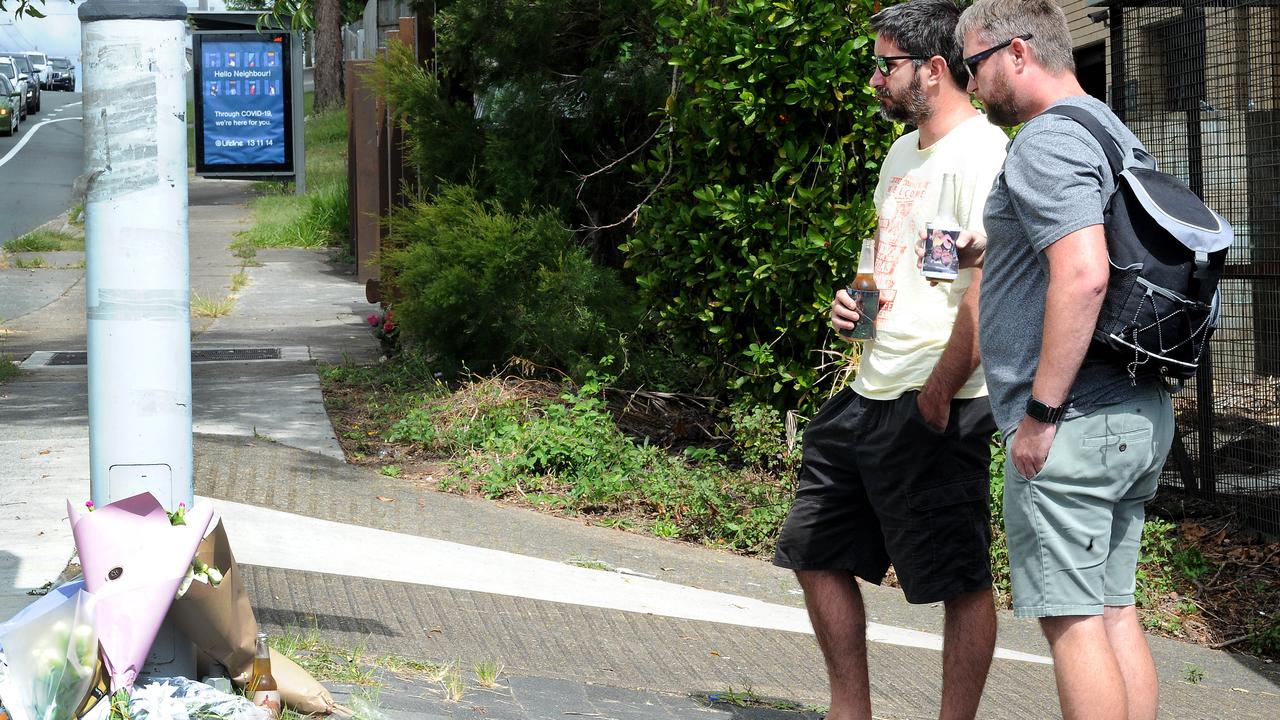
[971, 62]
[882, 62]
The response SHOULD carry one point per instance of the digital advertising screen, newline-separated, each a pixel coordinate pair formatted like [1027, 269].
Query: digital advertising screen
[243, 102]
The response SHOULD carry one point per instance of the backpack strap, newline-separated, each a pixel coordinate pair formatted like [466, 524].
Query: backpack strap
[1110, 146]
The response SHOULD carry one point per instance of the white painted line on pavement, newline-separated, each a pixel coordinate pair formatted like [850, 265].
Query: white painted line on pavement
[30, 134]
[270, 538]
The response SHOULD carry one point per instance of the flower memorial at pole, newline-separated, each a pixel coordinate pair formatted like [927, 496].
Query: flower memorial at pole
[77, 651]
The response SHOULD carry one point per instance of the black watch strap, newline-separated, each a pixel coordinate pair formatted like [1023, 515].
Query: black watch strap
[1044, 413]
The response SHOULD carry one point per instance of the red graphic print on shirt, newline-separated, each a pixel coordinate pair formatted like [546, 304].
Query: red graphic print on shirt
[897, 230]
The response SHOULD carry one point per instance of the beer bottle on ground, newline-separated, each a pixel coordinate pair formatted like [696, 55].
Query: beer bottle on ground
[262, 685]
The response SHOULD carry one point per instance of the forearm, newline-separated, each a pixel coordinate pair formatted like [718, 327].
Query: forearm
[1071, 311]
[961, 356]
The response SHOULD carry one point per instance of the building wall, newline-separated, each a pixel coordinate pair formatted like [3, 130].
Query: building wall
[1083, 30]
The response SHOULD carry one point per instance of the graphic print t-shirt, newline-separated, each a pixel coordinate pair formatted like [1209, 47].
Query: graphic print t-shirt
[915, 317]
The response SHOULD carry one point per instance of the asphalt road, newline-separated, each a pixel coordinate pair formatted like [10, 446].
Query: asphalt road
[39, 163]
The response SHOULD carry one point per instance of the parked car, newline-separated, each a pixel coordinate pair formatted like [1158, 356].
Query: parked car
[40, 64]
[18, 80]
[63, 74]
[33, 87]
[10, 104]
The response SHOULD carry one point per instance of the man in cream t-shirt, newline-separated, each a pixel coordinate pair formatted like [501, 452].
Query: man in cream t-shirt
[895, 466]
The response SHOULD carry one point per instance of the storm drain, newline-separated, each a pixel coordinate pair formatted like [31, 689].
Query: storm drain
[73, 358]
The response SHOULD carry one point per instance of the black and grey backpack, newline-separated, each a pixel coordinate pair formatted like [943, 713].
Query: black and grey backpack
[1167, 254]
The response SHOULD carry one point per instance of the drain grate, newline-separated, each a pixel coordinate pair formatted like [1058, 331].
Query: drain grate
[80, 357]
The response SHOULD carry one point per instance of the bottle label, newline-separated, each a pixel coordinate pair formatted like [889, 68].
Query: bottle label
[269, 699]
[941, 256]
[868, 306]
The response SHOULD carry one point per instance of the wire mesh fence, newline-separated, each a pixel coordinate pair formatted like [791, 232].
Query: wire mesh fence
[1199, 83]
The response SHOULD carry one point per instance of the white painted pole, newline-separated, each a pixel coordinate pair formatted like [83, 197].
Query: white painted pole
[137, 274]
[137, 277]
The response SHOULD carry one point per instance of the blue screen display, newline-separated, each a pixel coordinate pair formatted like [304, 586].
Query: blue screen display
[242, 95]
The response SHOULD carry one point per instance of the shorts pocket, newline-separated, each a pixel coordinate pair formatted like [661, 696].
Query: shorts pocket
[969, 490]
[1133, 437]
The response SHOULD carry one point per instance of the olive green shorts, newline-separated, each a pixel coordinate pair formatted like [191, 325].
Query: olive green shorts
[1074, 530]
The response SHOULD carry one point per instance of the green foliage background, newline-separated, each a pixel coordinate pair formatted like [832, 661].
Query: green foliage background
[766, 175]
[722, 157]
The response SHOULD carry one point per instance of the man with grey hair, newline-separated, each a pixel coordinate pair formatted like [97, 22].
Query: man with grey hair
[1086, 443]
[895, 467]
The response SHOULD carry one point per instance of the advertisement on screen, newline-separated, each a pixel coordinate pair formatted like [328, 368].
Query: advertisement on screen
[243, 108]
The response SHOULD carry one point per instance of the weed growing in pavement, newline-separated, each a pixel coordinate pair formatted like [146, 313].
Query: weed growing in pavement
[33, 263]
[391, 471]
[749, 698]
[1192, 674]
[487, 673]
[8, 368]
[75, 215]
[42, 240]
[238, 281]
[453, 686]
[326, 662]
[590, 564]
[202, 306]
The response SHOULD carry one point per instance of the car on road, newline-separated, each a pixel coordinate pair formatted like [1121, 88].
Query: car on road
[63, 74]
[18, 80]
[40, 64]
[10, 104]
[33, 87]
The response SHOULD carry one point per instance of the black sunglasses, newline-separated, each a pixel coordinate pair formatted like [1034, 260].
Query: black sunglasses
[971, 62]
[882, 61]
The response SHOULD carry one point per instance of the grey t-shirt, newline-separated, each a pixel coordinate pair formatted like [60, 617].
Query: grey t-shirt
[1055, 181]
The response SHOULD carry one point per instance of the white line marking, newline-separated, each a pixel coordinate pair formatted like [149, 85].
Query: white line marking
[30, 134]
[314, 545]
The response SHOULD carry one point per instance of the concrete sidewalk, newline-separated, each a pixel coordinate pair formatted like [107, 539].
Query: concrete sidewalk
[380, 564]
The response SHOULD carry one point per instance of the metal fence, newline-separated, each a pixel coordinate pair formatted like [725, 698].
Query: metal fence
[1199, 83]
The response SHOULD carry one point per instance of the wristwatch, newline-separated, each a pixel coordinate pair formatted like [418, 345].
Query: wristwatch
[1045, 414]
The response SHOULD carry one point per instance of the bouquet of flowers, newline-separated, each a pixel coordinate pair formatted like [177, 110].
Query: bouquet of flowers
[52, 651]
[135, 556]
[386, 330]
[182, 699]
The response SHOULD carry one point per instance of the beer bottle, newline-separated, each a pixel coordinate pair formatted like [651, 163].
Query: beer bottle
[863, 291]
[263, 687]
[941, 256]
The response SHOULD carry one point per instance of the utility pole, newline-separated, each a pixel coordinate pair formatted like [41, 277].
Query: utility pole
[137, 276]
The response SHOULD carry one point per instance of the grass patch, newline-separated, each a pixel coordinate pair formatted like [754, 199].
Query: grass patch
[238, 281]
[319, 218]
[202, 306]
[42, 240]
[25, 264]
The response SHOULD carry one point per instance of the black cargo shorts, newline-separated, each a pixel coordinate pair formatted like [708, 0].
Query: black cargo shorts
[878, 485]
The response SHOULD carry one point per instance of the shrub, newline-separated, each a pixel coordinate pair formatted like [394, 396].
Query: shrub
[764, 177]
[474, 285]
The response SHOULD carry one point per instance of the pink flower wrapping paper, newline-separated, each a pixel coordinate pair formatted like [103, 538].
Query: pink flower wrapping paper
[133, 560]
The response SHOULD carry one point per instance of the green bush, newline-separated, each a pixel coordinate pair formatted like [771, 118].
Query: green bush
[764, 180]
[475, 285]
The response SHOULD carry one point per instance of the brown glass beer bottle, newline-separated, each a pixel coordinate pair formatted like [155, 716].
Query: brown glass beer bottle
[863, 290]
[265, 692]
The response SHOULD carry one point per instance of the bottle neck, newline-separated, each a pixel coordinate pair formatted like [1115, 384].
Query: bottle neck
[867, 257]
[947, 201]
[263, 652]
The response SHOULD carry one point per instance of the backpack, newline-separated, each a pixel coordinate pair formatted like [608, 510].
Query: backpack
[1167, 252]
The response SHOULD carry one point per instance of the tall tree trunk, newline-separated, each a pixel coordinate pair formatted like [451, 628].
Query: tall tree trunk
[328, 49]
